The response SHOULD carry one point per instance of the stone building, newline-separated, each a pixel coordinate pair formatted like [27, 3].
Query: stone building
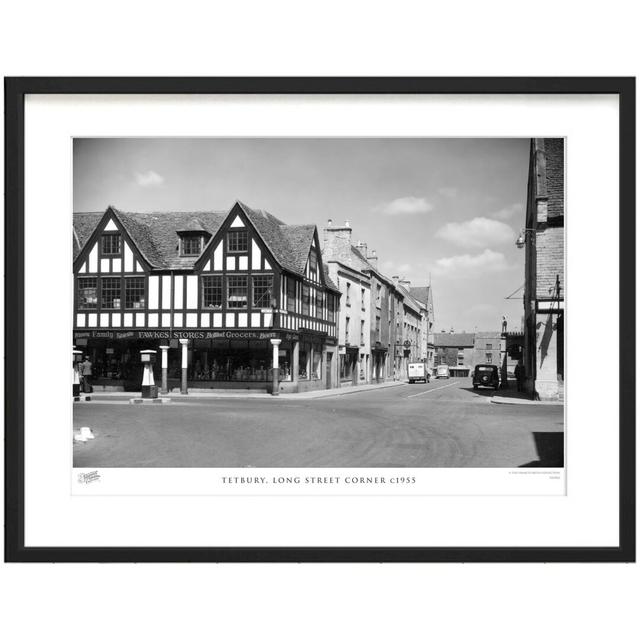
[455, 350]
[348, 269]
[543, 238]
[488, 348]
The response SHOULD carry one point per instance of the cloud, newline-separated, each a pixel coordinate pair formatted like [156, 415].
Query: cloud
[149, 179]
[465, 266]
[478, 232]
[508, 212]
[448, 192]
[405, 206]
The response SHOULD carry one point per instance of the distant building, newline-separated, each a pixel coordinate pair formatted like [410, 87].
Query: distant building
[488, 348]
[455, 350]
[424, 297]
[544, 270]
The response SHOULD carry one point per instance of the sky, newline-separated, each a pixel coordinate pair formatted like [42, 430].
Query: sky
[445, 209]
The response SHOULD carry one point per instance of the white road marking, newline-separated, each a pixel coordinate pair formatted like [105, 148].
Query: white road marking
[444, 386]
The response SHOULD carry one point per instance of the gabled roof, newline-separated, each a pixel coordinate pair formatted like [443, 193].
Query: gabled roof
[421, 294]
[84, 225]
[155, 235]
[460, 340]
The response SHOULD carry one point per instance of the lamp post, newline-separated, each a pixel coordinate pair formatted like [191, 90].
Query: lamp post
[522, 238]
[77, 358]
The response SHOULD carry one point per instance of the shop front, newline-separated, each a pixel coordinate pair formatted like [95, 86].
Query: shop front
[378, 363]
[214, 359]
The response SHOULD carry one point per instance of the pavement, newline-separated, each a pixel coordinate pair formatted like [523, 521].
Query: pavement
[512, 396]
[217, 394]
[442, 424]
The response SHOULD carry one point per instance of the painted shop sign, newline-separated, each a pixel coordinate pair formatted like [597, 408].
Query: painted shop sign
[191, 335]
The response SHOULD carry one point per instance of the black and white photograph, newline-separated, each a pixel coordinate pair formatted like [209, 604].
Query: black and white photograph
[314, 303]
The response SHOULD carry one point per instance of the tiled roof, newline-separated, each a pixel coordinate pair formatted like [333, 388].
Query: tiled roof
[421, 294]
[156, 235]
[460, 340]
[489, 335]
[83, 226]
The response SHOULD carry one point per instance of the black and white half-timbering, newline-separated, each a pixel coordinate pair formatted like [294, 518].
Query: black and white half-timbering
[209, 290]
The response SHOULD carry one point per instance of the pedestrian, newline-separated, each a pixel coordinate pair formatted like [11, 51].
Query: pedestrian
[519, 374]
[86, 369]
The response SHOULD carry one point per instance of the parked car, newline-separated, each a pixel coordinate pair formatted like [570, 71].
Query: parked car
[486, 375]
[418, 371]
[443, 371]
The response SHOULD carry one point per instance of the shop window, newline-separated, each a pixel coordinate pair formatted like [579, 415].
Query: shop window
[110, 293]
[111, 244]
[305, 299]
[237, 241]
[87, 293]
[237, 292]
[134, 293]
[303, 361]
[291, 295]
[262, 291]
[319, 304]
[316, 369]
[191, 245]
[212, 292]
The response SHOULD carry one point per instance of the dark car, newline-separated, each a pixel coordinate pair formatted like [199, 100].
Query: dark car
[486, 375]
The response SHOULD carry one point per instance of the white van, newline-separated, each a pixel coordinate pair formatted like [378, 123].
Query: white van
[418, 371]
[442, 371]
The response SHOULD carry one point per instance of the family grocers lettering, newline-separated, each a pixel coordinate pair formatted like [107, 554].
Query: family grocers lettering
[191, 335]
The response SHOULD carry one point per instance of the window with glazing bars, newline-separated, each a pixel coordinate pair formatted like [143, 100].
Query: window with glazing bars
[237, 241]
[191, 245]
[330, 308]
[134, 293]
[291, 295]
[319, 304]
[111, 244]
[212, 292]
[110, 293]
[313, 262]
[305, 299]
[87, 293]
[237, 292]
[262, 291]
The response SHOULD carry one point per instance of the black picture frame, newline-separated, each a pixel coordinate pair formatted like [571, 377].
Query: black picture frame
[15, 91]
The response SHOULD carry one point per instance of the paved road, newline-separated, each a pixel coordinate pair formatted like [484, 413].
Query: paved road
[442, 424]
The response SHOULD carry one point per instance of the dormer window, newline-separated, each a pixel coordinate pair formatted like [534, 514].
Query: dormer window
[191, 245]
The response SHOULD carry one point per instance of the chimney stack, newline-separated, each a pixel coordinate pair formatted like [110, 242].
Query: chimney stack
[373, 259]
[337, 242]
[395, 280]
[406, 284]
